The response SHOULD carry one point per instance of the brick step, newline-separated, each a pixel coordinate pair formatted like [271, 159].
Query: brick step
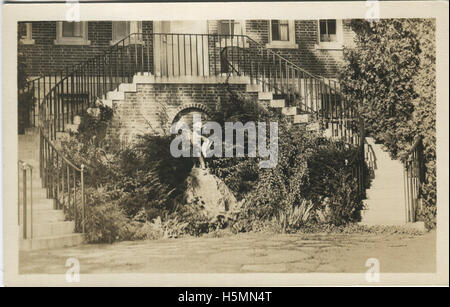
[52, 242]
[51, 229]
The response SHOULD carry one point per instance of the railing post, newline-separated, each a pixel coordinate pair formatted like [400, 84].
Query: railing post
[31, 202]
[18, 193]
[24, 201]
[75, 207]
[83, 200]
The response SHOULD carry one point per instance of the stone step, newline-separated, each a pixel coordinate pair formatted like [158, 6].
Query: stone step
[385, 193]
[265, 95]
[31, 131]
[39, 205]
[385, 203]
[277, 103]
[37, 182]
[383, 222]
[127, 87]
[253, 88]
[51, 229]
[289, 111]
[115, 95]
[48, 216]
[382, 219]
[28, 144]
[302, 118]
[52, 242]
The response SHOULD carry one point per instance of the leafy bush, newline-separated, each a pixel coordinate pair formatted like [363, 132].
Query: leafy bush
[93, 128]
[105, 222]
[137, 191]
[312, 174]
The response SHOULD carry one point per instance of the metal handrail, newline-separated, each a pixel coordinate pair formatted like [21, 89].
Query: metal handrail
[25, 166]
[62, 155]
[413, 177]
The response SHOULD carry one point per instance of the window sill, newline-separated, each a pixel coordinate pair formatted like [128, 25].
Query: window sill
[25, 41]
[282, 45]
[329, 46]
[79, 42]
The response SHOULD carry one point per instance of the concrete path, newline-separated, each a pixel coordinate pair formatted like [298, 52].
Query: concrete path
[385, 203]
[297, 253]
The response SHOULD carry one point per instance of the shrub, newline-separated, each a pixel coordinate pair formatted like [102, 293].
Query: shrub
[312, 174]
[105, 221]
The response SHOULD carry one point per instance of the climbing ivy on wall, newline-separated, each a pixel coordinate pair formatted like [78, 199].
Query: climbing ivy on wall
[391, 74]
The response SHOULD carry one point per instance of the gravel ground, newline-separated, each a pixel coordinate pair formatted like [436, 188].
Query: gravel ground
[252, 252]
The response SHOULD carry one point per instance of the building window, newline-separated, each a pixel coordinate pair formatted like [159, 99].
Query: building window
[27, 39]
[71, 29]
[121, 29]
[282, 34]
[71, 33]
[280, 30]
[327, 29]
[229, 28]
[329, 34]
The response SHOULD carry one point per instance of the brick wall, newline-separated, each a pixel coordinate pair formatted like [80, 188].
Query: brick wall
[323, 62]
[151, 104]
[44, 57]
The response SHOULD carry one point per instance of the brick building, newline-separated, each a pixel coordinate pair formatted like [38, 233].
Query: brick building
[179, 65]
[314, 45]
[154, 72]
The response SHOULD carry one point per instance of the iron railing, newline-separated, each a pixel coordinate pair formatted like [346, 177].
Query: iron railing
[25, 199]
[414, 174]
[64, 182]
[69, 92]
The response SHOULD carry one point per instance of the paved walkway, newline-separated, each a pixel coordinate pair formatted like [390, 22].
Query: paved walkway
[295, 253]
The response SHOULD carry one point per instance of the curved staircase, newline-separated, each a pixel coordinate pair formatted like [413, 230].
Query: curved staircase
[49, 228]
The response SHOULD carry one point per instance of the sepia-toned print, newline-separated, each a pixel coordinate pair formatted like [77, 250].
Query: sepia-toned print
[227, 146]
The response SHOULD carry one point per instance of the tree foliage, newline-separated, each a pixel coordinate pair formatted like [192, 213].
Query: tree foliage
[391, 74]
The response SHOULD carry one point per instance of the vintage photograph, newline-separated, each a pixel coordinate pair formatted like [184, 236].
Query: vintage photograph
[226, 146]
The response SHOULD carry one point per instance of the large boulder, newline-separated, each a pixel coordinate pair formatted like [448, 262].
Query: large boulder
[211, 193]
